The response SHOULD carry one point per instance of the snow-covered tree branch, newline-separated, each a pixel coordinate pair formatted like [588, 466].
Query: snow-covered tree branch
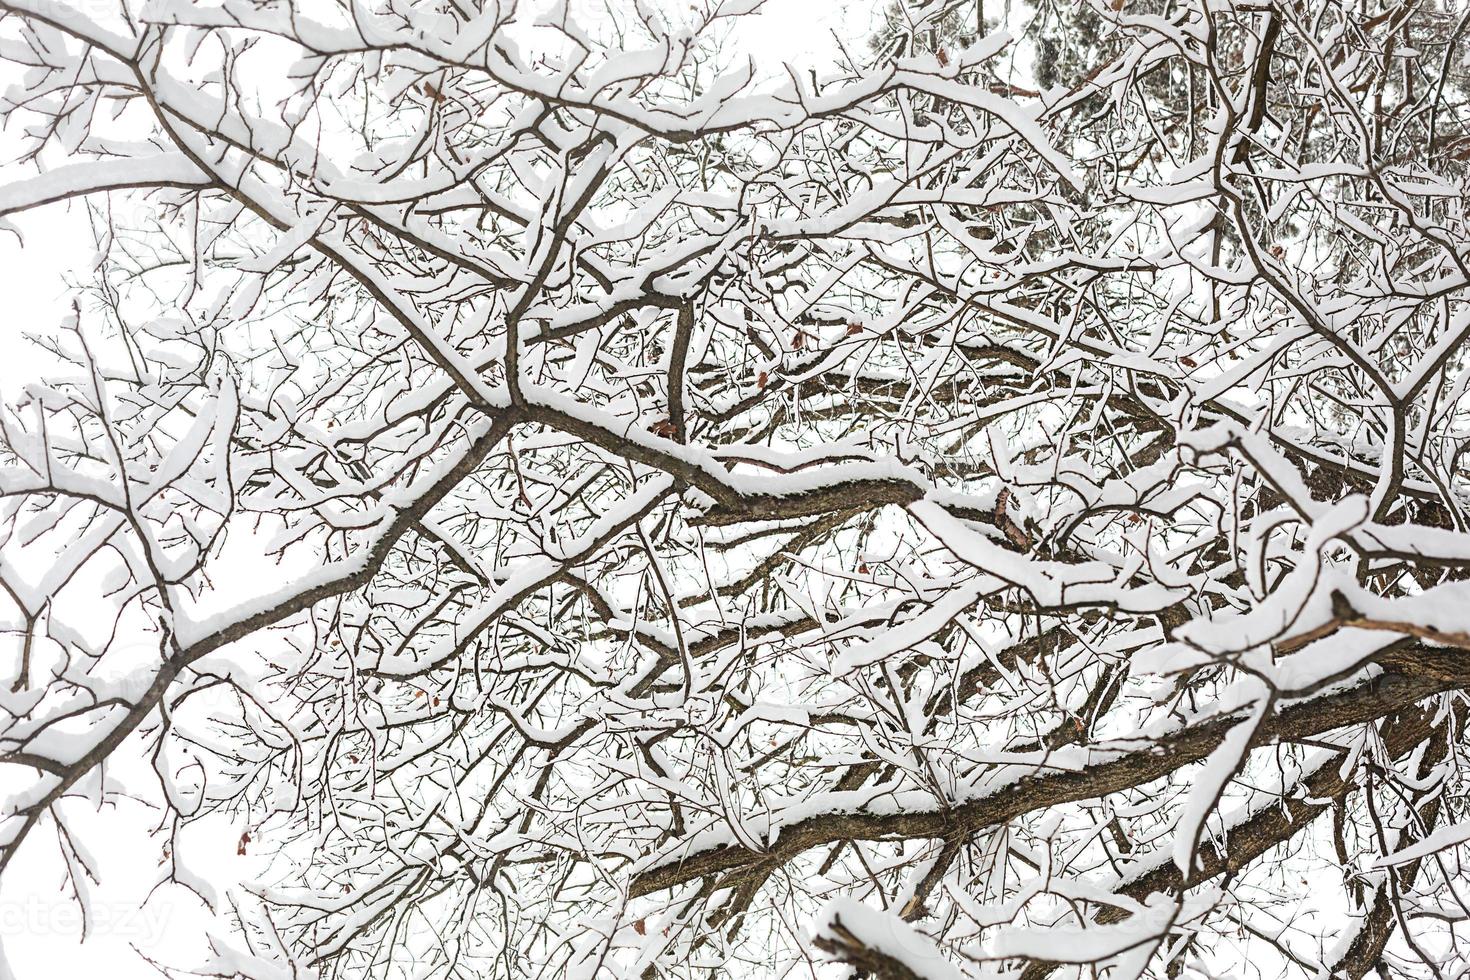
[594, 507]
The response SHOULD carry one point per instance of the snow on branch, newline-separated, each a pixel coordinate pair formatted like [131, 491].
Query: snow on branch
[570, 499]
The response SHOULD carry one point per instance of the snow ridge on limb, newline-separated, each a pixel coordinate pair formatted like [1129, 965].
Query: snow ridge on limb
[584, 503]
[879, 943]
